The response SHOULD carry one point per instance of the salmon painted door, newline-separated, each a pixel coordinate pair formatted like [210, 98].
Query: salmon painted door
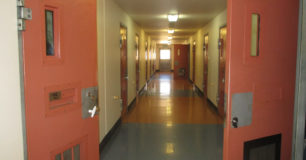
[60, 61]
[193, 61]
[123, 68]
[137, 63]
[221, 79]
[260, 66]
[205, 69]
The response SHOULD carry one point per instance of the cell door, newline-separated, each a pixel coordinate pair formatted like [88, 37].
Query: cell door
[205, 66]
[60, 66]
[137, 63]
[123, 68]
[221, 79]
[260, 79]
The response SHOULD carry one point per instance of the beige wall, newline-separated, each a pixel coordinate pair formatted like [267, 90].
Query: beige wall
[110, 16]
[11, 134]
[213, 57]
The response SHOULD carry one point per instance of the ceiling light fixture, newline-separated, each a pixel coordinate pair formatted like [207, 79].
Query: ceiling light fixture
[172, 17]
[171, 31]
[169, 37]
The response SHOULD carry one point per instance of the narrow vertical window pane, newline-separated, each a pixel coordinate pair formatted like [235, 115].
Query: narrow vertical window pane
[76, 152]
[67, 154]
[58, 157]
[49, 33]
[255, 35]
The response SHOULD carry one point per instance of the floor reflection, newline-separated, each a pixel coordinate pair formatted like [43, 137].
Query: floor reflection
[168, 122]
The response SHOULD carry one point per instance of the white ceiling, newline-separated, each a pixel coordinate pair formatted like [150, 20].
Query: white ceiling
[152, 15]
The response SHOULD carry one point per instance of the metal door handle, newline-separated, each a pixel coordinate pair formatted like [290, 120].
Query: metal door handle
[93, 111]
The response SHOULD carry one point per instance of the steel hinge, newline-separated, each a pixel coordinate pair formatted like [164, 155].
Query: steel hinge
[23, 15]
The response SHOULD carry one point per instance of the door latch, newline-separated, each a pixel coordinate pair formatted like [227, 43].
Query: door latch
[235, 122]
[23, 14]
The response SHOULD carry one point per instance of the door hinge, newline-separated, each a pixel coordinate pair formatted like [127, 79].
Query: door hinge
[23, 14]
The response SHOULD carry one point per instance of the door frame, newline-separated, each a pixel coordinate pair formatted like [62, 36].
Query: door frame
[224, 106]
[205, 68]
[300, 91]
[137, 62]
[124, 102]
[194, 47]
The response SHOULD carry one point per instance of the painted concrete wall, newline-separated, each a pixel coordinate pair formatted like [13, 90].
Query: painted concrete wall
[212, 29]
[110, 16]
[11, 135]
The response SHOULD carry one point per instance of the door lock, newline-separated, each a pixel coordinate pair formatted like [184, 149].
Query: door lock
[235, 122]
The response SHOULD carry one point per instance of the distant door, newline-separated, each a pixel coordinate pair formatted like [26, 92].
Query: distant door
[60, 66]
[124, 70]
[221, 79]
[180, 60]
[193, 61]
[165, 60]
[260, 79]
[137, 63]
[205, 69]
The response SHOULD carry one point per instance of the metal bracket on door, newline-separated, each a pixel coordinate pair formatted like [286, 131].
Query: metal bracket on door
[23, 14]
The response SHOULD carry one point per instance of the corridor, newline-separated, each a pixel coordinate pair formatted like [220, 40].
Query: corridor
[169, 121]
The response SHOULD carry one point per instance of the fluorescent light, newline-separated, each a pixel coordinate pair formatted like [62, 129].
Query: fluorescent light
[169, 37]
[172, 17]
[169, 42]
[171, 31]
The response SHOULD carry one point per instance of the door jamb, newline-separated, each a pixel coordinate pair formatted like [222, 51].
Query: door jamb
[124, 108]
[300, 91]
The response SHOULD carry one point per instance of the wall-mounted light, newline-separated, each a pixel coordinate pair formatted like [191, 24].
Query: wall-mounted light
[172, 17]
[171, 31]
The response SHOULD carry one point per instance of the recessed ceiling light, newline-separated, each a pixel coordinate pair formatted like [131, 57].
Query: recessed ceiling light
[169, 37]
[172, 17]
[171, 31]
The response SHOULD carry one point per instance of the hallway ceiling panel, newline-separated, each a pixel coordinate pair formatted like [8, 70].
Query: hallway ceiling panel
[152, 15]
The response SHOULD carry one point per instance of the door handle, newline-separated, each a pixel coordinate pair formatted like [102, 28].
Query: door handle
[93, 111]
[235, 122]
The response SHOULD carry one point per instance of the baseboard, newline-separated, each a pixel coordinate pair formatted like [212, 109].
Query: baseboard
[198, 91]
[142, 90]
[131, 105]
[157, 70]
[109, 135]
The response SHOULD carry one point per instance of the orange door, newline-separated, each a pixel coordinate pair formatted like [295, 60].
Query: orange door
[137, 63]
[205, 69]
[221, 79]
[268, 74]
[60, 62]
[124, 70]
